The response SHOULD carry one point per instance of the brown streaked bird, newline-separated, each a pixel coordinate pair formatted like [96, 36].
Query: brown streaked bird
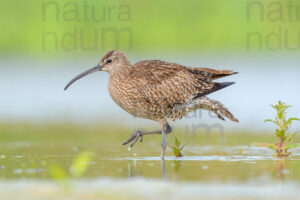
[159, 90]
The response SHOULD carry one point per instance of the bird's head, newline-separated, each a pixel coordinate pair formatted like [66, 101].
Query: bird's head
[110, 62]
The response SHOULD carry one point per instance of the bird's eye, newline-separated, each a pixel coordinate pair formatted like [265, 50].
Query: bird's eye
[109, 61]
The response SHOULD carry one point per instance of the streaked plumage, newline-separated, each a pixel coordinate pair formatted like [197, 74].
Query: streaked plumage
[159, 90]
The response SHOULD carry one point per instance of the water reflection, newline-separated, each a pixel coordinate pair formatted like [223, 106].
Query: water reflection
[137, 166]
[132, 169]
[282, 170]
[163, 169]
[225, 168]
[201, 163]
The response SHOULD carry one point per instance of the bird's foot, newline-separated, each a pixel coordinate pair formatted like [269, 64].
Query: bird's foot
[139, 135]
[134, 138]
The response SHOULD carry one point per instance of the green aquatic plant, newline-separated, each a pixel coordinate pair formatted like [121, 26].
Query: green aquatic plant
[282, 131]
[78, 167]
[177, 148]
[81, 163]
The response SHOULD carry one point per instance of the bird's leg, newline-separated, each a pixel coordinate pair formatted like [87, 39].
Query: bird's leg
[139, 134]
[164, 143]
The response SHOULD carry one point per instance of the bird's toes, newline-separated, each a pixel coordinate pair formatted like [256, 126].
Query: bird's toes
[134, 137]
[128, 140]
[141, 140]
[135, 140]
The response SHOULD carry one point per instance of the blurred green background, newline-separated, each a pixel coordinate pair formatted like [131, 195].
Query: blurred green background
[45, 28]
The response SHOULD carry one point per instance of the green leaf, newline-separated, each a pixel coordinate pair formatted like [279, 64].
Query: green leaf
[279, 133]
[283, 139]
[275, 122]
[282, 133]
[176, 152]
[57, 173]
[181, 148]
[286, 107]
[280, 115]
[81, 163]
[291, 137]
[289, 122]
[177, 142]
[292, 119]
[291, 146]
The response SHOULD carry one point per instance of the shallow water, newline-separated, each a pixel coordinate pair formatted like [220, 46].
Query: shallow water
[209, 163]
[36, 162]
[211, 169]
[210, 172]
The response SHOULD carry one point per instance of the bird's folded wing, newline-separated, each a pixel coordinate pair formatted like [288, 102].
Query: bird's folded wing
[168, 83]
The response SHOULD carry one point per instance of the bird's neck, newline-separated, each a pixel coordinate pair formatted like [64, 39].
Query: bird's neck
[121, 72]
[117, 83]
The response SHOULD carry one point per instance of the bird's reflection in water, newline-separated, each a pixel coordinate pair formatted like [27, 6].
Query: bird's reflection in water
[176, 164]
[131, 169]
[135, 168]
[163, 169]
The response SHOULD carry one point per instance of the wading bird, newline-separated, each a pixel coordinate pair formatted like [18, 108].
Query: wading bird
[159, 90]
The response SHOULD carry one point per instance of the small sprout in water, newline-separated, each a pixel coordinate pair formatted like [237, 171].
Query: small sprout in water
[177, 148]
[282, 132]
[78, 167]
[57, 173]
[81, 163]
[240, 151]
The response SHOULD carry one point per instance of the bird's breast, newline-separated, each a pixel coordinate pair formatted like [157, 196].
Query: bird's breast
[123, 93]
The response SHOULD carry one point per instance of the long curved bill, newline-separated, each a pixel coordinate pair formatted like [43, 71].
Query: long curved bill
[92, 70]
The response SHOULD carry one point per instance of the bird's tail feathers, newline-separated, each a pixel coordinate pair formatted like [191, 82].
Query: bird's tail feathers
[208, 104]
[213, 73]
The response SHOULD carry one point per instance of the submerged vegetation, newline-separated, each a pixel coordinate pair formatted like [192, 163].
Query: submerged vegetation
[282, 132]
[177, 148]
[77, 169]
